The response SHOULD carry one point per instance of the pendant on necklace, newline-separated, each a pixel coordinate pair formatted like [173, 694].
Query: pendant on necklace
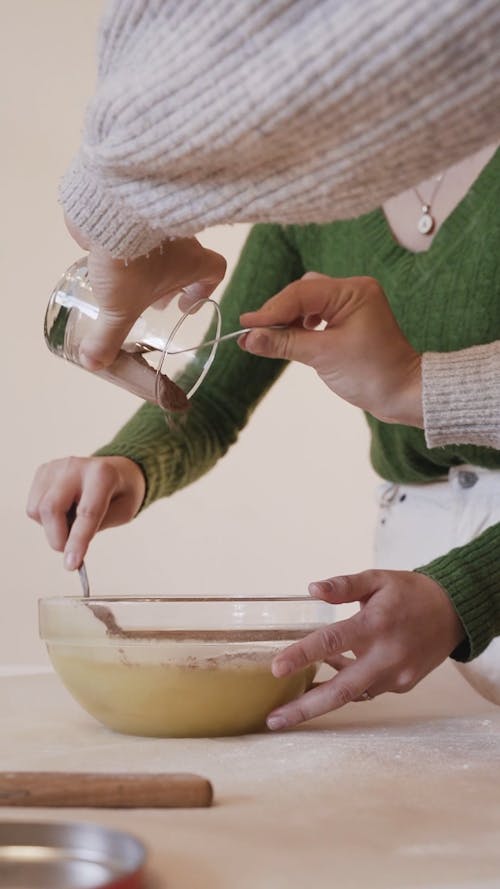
[426, 222]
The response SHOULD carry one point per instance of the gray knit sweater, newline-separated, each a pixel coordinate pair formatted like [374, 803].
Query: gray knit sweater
[288, 111]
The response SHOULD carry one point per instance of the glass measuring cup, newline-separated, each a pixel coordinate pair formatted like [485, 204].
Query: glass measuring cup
[151, 355]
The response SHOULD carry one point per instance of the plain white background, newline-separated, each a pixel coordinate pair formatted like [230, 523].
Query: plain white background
[293, 500]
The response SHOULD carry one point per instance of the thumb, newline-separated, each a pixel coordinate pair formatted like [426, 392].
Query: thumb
[347, 588]
[195, 293]
[99, 348]
[203, 288]
[291, 344]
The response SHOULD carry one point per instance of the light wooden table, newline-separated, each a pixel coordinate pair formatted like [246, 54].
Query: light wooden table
[396, 793]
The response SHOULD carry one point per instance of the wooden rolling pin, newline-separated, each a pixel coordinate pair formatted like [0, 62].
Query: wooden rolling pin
[105, 791]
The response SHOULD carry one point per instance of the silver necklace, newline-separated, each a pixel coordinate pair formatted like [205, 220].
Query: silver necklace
[427, 223]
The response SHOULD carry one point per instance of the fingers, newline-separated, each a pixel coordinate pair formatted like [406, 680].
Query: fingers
[313, 294]
[311, 300]
[203, 288]
[124, 290]
[348, 588]
[407, 626]
[90, 512]
[292, 344]
[100, 348]
[49, 505]
[193, 294]
[57, 486]
[339, 661]
[330, 642]
[328, 645]
[208, 273]
[347, 686]
[321, 645]
[90, 483]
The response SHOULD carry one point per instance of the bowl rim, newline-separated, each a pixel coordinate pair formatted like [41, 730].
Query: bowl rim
[177, 599]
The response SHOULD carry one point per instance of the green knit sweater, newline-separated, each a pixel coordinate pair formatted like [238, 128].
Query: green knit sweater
[445, 299]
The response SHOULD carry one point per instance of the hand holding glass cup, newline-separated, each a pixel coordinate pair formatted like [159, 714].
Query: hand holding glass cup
[152, 354]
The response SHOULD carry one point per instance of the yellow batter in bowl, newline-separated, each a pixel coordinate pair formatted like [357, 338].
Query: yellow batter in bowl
[140, 667]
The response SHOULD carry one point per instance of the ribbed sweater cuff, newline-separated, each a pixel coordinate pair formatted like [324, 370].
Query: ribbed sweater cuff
[97, 212]
[461, 396]
[470, 575]
[156, 484]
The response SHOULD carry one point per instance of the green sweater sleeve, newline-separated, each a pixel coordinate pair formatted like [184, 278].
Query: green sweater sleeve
[173, 457]
[470, 575]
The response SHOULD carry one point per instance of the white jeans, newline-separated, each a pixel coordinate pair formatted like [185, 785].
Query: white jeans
[417, 523]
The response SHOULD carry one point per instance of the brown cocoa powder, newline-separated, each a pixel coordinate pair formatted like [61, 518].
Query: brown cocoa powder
[105, 615]
[132, 371]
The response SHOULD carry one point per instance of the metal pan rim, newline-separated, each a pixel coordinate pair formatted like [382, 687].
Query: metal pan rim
[87, 848]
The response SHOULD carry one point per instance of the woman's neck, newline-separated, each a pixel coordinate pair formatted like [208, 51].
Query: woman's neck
[441, 196]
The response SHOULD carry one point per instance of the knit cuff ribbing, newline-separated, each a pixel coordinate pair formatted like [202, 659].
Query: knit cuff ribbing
[461, 396]
[147, 462]
[95, 210]
[470, 575]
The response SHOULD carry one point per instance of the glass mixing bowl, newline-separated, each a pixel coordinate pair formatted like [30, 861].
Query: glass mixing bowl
[178, 667]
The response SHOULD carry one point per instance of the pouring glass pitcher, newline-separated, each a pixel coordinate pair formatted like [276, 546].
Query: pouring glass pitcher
[152, 354]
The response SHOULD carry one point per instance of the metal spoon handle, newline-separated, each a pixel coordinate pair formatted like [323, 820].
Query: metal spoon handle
[227, 336]
[84, 580]
[82, 571]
